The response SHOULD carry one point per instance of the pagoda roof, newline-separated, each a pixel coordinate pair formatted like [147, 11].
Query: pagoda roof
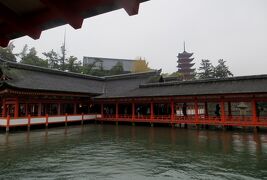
[31, 17]
[185, 55]
[188, 70]
[185, 60]
[186, 65]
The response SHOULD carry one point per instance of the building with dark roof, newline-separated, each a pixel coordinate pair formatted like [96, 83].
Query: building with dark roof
[109, 63]
[48, 95]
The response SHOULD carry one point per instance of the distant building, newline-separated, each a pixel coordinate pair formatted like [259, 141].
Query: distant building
[185, 65]
[108, 63]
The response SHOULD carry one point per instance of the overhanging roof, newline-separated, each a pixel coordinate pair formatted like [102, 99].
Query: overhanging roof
[31, 17]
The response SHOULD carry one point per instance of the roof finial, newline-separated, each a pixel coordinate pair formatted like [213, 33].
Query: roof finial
[184, 45]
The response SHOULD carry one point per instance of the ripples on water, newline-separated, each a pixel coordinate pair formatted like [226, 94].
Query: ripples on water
[125, 152]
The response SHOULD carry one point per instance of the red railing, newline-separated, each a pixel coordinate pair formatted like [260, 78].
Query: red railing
[190, 119]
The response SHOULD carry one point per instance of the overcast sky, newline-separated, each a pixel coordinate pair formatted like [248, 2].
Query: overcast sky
[233, 30]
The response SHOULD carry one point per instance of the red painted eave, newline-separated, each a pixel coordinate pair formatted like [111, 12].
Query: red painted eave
[31, 17]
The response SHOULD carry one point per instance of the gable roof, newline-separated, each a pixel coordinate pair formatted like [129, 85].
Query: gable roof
[36, 78]
[30, 77]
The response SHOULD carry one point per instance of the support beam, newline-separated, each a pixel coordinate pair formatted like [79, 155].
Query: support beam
[39, 109]
[133, 111]
[16, 113]
[229, 108]
[222, 110]
[117, 110]
[102, 110]
[4, 107]
[206, 109]
[151, 110]
[58, 109]
[196, 110]
[172, 111]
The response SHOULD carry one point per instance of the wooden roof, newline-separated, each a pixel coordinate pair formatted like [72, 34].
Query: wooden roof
[31, 17]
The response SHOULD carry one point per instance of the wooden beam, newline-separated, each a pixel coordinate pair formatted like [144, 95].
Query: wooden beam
[16, 23]
[67, 11]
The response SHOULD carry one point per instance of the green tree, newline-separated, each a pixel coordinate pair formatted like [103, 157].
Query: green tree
[7, 53]
[32, 58]
[206, 69]
[72, 64]
[89, 68]
[117, 69]
[221, 70]
[53, 59]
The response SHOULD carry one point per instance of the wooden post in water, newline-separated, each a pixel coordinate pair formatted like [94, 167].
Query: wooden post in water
[82, 119]
[46, 120]
[7, 123]
[29, 122]
[66, 119]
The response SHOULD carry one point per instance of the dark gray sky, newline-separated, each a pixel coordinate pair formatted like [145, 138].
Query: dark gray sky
[233, 30]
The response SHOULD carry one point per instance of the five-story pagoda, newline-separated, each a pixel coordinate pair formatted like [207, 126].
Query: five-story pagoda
[185, 65]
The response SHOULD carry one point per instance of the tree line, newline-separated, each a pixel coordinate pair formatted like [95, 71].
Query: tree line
[206, 71]
[57, 61]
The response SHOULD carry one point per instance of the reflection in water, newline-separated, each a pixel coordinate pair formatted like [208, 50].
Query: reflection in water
[125, 152]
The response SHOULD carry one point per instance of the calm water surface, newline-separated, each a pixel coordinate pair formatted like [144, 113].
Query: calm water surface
[125, 152]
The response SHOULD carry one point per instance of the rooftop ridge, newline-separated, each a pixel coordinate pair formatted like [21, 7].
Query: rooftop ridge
[122, 76]
[211, 80]
[118, 59]
[47, 70]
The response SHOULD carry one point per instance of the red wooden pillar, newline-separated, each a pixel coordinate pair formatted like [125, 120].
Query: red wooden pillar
[133, 111]
[117, 110]
[39, 109]
[75, 108]
[222, 110]
[102, 110]
[58, 109]
[16, 113]
[254, 111]
[196, 110]
[29, 122]
[172, 110]
[229, 109]
[4, 108]
[151, 110]
[26, 109]
[206, 109]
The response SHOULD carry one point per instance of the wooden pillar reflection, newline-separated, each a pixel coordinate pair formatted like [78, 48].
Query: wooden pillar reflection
[254, 111]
